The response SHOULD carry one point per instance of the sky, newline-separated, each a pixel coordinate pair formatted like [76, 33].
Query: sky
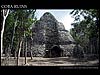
[62, 15]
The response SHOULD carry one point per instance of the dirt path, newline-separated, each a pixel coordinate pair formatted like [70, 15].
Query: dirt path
[59, 61]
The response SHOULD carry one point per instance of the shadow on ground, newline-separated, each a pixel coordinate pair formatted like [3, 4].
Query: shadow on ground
[62, 61]
[65, 60]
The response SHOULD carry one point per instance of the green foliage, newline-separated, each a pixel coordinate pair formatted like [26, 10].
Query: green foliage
[24, 20]
[8, 30]
[85, 31]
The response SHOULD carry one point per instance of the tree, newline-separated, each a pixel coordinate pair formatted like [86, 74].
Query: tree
[17, 24]
[26, 22]
[5, 13]
[86, 30]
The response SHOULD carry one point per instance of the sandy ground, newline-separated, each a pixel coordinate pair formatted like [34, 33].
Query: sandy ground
[59, 61]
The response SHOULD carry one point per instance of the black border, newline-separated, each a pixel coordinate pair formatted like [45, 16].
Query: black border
[54, 4]
[49, 4]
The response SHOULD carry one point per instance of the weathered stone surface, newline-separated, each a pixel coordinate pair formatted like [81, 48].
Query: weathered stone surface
[49, 32]
[61, 26]
[65, 37]
[39, 50]
[67, 49]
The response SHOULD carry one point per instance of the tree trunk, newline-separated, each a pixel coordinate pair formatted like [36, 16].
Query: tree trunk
[31, 55]
[18, 54]
[31, 52]
[15, 54]
[23, 49]
[16, 49]
[7, 56]
[26, 52]
[23, 54]
[5, 14]
[31, 48]
[15, 24]
[91, 48]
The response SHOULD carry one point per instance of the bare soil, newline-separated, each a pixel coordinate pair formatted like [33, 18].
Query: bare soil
[58, 61]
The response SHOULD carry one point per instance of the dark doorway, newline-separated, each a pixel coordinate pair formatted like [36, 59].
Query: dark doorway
[56, 51]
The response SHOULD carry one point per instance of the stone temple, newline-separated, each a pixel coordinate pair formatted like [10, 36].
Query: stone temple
[50, 38]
